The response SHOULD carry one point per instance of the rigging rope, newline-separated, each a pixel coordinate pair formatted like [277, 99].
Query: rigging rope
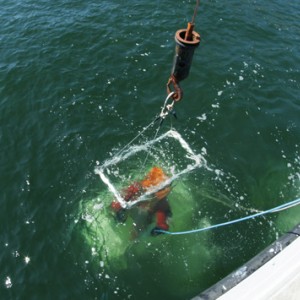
[195, 11]
[271, 210]
[165, 110]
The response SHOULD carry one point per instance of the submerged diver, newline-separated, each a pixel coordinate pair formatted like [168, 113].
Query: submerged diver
[143, 212]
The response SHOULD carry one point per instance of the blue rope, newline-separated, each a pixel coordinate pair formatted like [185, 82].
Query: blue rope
[272, 210]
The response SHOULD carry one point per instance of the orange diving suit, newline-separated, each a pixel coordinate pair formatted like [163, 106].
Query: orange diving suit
[143, 212]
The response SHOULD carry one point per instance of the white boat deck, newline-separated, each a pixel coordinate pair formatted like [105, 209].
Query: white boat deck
[278, 279]
[273, 274]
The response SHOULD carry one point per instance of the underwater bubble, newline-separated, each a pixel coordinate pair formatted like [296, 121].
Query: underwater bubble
[88, 218]
[94, 251]
[26, 259]
[99, 206]
[16, 254]
[8, 282]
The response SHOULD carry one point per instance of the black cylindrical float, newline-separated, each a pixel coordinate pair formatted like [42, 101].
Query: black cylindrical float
[184, 52]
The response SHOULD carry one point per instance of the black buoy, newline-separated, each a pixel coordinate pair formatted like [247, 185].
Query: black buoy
[186, 43]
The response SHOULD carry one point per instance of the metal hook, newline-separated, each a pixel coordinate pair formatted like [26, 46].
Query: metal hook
[177, 93]
[167, 108]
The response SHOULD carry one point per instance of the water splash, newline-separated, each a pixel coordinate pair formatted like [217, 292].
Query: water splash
[193, 161]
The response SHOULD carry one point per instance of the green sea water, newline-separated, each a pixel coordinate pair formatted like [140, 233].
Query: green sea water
[79, 80]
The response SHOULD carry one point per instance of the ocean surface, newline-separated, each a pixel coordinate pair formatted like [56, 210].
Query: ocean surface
[79, 80]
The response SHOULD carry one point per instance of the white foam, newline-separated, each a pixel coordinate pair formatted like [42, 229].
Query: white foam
[202, 118]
